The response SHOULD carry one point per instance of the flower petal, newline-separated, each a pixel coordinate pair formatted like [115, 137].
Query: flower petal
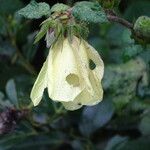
[93, 92]
[39, 85]
[95, 75]
[74, 105]
[84, 98]
[63, 75]
[95, 57]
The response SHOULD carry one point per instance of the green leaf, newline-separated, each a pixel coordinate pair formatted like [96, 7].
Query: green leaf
[142, 143]
[107, 4]
[9, 71]
[136, 9]
[11, 92]
[4, 103]
[131, 51]
[122, 143]
[115, 142]
[8, 7]
[59, 7]
[77, 145]
[1, 96]
[89, 12]
[6, 45]
[121, 81]
[145, 125]
[35, 10]
[29, 140]
[96, 117]
[139, 105]
[114, 73]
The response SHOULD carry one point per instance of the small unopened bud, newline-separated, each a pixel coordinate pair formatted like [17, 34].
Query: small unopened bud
[142, 28]
[50, 38]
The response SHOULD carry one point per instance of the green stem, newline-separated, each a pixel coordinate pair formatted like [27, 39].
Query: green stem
[25, 62]
[30, 105]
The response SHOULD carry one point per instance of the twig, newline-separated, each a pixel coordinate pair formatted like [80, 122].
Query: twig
[25, 63]
[114, 18]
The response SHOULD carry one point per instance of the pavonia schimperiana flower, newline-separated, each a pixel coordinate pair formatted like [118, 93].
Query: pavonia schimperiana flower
[68, 77]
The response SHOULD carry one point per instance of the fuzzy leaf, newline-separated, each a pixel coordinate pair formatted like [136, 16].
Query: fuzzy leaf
[59, 7]
[11, 92]
[145, 125]
[89, 12]
[131, 51]
[125, 76]
[96, 117]
[35, 10]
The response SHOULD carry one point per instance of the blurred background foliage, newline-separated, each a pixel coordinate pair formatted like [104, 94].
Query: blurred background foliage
[120, 122]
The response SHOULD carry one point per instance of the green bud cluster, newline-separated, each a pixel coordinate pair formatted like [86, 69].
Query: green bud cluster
[142, 28]
[61, 23]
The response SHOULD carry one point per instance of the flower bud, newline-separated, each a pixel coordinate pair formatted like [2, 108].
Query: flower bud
[142, 28]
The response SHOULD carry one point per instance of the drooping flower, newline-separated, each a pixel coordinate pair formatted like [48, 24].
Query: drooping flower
[68, 76]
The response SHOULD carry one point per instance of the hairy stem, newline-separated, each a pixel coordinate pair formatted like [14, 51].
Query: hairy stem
[114, 18]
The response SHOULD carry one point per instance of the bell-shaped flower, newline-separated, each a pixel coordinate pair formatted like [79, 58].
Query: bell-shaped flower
[68, 75]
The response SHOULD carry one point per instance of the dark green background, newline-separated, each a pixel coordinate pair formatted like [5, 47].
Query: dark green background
[120, 122]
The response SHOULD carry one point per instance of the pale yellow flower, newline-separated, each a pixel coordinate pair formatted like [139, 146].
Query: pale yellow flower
[68, 76]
